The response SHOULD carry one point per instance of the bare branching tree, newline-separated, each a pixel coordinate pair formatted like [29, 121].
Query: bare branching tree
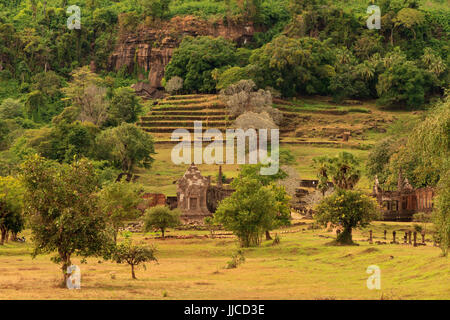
[243, 97]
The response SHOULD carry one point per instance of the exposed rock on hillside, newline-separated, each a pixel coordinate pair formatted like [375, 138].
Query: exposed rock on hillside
[150, 49]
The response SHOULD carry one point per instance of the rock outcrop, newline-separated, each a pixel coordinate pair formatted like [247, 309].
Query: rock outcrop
[149, 50]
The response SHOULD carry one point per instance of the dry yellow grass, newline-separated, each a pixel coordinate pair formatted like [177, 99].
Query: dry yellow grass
[303, 266]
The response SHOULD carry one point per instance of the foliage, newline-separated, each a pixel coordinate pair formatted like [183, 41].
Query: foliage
[126, 147]
[133, 255]
[242, 97]
[294, 66]
[349, 209]
[161, 217]
[343, 170]
[195, 60]
[11, 204]
[249, 211]
[125, 106]
[62, 206]
[237, 258]
[174, 85]
[441, 216]
[119, 201]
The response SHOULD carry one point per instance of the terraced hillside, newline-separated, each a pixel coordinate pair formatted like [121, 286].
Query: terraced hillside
[181, 111]
[305, 121]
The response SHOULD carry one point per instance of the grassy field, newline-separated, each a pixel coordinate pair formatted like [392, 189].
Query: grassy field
[302, 266]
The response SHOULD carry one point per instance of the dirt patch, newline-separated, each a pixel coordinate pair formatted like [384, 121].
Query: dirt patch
[369, 250]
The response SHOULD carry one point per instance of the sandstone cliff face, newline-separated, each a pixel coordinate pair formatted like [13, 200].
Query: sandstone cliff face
[151, 49]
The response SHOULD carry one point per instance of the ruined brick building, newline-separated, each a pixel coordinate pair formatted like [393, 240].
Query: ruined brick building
[401, 204]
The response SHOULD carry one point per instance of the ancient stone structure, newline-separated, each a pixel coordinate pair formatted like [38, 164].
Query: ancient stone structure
[197, 197]
[191, 196]
[152, 200]
[403, 203]
[150, 49]
[217, 193]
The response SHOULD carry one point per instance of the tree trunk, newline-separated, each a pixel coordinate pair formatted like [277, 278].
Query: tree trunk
[133, 276]
[162, 231]
[65, 264]
[345, 237]
[268, 237]
[3, 235]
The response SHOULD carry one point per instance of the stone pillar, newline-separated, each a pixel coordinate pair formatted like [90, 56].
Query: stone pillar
[409, 237]
[415, 238]
[385, 232]
[405, 238]
[393, 236]
[423, 237]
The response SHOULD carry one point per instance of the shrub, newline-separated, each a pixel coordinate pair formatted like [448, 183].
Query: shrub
[161, 217]
[174, 85]
[237, 258]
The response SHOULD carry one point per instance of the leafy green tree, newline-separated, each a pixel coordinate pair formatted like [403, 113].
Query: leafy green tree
[126, 147]
[441, 216]
[10, 109]
[62, 205]
[403, 84]
[343, 170]
[161, 217]
[348, 208]
[249, 211]
[11, 204]
[120, 200]
[379, 158]
[196, 58]
[133, 255]
[125, 105]
[294, 66]
[155, 8]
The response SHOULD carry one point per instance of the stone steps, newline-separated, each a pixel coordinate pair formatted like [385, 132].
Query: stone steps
[184, 117]
[179, 124]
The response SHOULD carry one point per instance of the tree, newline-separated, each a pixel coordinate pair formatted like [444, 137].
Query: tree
[174, 85]
[403, 83]
[161, 217]
[125, 105]
[133, 255]
[294, 66]
[126, 146]
[120, 200]
[441, 216]
[87, 92]
[10, 109]
[343, 170]
[11, 197]
[62, 205]
[196, 58]
[155, 8]
[242, 97]
[347, 208]
[249, 211]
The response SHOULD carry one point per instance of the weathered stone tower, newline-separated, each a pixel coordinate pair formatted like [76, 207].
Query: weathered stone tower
[191, 196]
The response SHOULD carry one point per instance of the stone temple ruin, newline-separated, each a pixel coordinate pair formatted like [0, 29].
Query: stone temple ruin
[403, 203]
[191, 195]
[197, 197]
